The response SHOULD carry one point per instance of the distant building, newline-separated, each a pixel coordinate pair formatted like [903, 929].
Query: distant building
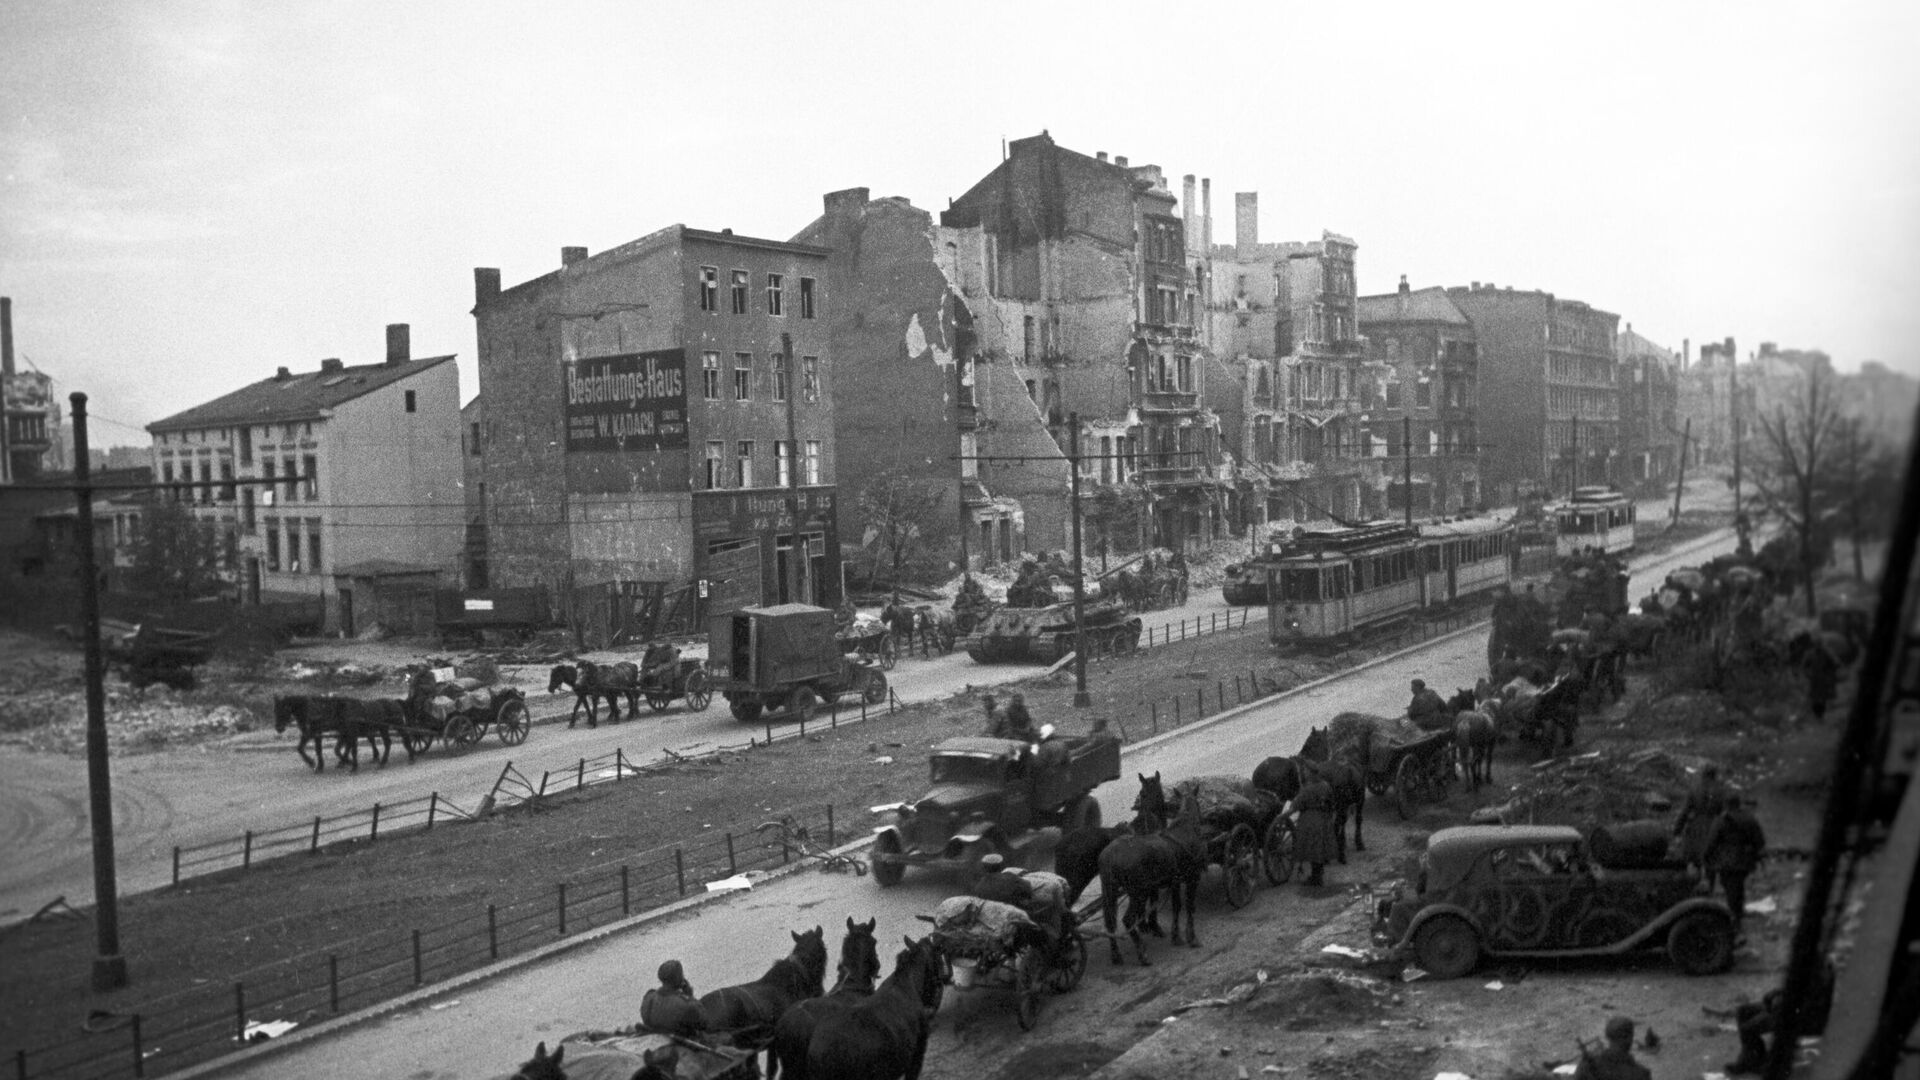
[1422, 381]
[637, 425]
[364, 464]
[1650, 424]
[1549, 409]
[1703, 397]
[474, 473]
[1884, 400]
[32, 441]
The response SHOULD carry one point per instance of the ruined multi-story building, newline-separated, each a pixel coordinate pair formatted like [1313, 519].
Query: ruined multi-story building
[1419, 394]
[1549, 409]
[32, 442]
[638, 423]
[1705, 390]
[1085, 294]
[1650, 424]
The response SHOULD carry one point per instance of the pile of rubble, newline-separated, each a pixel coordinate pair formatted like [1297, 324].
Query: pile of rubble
[1597, 788]
[54, 720]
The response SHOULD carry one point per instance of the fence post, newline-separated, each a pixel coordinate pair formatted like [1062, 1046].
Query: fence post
[544, 774]
[1213, 622]
[1199, 698]
[563, 909]
[176, 864]
[374, 832]
[1176, 710]
[580, 775]
[416, 957]
[240, 1013]
[493, 934]
[829, 824]
[433, 804]
[680, 869]
[139, 1057]
[1155, 706]
[619, 764]
[803, 725]
[333, 982]
[626, 891]
[246, 850]
[863, 706]
[1220, 694]
[731, 868]
[1238, 697]
[833, 715]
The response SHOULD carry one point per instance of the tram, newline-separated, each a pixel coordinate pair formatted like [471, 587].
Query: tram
[1333, 584]
[1596, 517]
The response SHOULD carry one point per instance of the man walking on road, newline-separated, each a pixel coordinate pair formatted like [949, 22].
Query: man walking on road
[1733, 850]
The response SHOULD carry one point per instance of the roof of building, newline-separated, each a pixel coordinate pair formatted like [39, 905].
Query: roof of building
[297, 397]
[1630, 342]
[1418, 305]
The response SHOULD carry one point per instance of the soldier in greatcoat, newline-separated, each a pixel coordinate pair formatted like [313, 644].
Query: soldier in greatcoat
[1697, 816]
[1733, 850]
[1313, 840]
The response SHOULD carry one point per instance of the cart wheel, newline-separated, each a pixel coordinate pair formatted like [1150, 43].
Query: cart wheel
[1279, 851]
[886, 873]
[658, 702]
[1407, 780]
[1068, 976]
[802, 702]
[1026, 988]
[416, 741]
[875, 691]
[460, 732]
[699, 694]
[889, 653]
[743, 710]
[513, 722]
[1241, 851]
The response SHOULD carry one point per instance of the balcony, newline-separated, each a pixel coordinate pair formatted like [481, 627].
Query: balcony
[1171, 475]
[1169, 401]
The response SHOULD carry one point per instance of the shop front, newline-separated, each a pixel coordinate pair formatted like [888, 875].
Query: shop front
[744, 542]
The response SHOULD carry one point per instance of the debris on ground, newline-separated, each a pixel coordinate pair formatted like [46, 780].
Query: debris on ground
[1596, 788]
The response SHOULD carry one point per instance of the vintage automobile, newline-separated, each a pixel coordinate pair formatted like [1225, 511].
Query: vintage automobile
[988, 796]
[1537, 891]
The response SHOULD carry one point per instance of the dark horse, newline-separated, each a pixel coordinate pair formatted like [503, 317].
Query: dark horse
[885, 1036]
[1285, 776]
[1156, 855]
[1474, 735]
[349, 719]
[749, 1011]
[596, 1064]
[590, 681]
[859, 972]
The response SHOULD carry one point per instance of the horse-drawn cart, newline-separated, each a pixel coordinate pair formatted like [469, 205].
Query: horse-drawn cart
[1244, 832]
[870, 643]
[989, 945]
[149, 654]
[1415, 769]
[688, 680]
[628, 1052]
[460, 711]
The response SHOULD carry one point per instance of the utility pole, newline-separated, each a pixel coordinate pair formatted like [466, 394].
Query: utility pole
[1733, 432]
[966, 562]
[1406, 460]
[109, 967]
[1680, 484]
[797, 574]
[1081, 698]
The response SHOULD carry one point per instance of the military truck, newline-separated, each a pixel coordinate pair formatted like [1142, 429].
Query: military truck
[992, 796]
[1045, 634]
[786, 659]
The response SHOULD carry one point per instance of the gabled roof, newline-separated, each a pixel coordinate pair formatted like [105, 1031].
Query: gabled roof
[1418, 305]
[305, 396]
[1630, 342]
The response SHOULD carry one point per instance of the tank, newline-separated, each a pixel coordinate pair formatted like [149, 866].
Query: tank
[1246, 583]
[1045, 634]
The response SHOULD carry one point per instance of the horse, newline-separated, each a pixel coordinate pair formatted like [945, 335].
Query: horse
[1540, 712]
[749, 1011]
[859, 970]
[1347, 777]
[1146, 860]
[1474, 736]
[350, 719]
[589, 681]
[593, 1063]
[936, 629]
[900, 620]
[1077, 857]
[885, 1036]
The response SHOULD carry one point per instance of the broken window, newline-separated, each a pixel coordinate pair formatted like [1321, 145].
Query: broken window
[710, 376]
[716, 476]
[806, 298]
[743, 464]
[709, 288]
[739, 292]
[743, 376]
[810, 378]
[776, 294]
[813, 461]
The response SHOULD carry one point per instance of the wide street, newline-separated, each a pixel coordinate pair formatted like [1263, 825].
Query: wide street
[485, 1028]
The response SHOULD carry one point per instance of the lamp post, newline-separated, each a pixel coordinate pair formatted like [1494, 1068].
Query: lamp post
[1081, 698]
[109, 967]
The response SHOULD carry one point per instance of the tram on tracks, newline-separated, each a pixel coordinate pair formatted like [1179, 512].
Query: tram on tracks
[1596, 517]
[1332, 585]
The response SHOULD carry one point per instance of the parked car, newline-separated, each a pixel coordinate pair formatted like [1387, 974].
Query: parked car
[1537, 891]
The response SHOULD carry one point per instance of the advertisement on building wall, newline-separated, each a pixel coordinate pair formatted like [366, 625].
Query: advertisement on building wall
[750, 513]
[634, 401]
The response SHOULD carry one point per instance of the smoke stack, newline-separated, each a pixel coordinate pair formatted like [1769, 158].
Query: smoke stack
[6, 335]
[1206, 211]
[1100, 155]
[331, 363]
[1405, 289]
[1246, 223]
[486, 283]
[1187, 207]
[399, 344]
[1120, 160]
[1686, 353]
[571, 255]
[282, 375]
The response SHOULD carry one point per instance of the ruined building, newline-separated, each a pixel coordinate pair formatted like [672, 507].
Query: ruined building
[1420, 394]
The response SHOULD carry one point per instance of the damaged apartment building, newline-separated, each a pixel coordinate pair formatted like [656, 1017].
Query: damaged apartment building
[1291, 383]
[1060, 284]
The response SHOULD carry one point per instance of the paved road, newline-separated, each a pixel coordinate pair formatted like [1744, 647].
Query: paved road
[193, 797]
[487, 1027]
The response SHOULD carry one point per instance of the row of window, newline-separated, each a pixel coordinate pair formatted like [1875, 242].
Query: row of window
[717, 474]
[740, 286]
[292, 529]
[303, 485]
[744, 377]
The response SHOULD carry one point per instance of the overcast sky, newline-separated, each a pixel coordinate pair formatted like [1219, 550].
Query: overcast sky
[197, 193]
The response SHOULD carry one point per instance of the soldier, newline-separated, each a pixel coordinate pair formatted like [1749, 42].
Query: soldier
[1313, 839]
[1616, 1061]
[844, 616]
[671, 1007]
[996, 720]
[1733, 849]
[1019, 720]
[994, 883]
[658, 664]
[1757, 1021]
[1697, 817]
[1427, 710]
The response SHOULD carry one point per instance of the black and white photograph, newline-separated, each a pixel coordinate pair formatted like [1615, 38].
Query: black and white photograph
[615, 540]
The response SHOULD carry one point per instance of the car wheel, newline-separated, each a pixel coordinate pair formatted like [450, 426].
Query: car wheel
[744, 710]
[884, 872]
[1701, 943]
[1446, 947]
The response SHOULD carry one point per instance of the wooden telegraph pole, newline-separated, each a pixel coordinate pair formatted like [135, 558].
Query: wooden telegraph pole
[109, 967]
[1680, 484]
[1080, 696]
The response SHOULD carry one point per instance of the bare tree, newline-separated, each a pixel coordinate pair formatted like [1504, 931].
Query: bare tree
[904, 518]
[1867, 479]
[1794, 479]
[179, 556]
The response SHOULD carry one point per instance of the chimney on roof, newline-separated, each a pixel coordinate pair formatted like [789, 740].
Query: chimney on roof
[1187, 208]
[1686, 353]
[1475, 287]
[1100, 155]
[571, 255]
[399, 344]
[1120, 160]
[1206, 212]
[1404, 287]
[1246, 223]
[486, 283]
[282, 375]
[726, 232]
[6, 335]
[331, 363]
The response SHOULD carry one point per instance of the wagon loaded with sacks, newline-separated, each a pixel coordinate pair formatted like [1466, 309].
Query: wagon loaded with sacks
[1244, 831]
[989, 945]
[460, 710]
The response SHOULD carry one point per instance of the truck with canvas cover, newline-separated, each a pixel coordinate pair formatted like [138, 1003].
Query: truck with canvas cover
[784, 658]
[991, 796]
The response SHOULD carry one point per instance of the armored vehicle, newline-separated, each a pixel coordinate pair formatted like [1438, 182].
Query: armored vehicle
[988, 796]
[1045, 634]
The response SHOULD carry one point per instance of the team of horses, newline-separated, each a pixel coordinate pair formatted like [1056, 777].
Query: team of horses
[592, 683]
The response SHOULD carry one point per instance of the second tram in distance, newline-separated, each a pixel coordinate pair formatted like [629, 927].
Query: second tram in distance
[1596, 517]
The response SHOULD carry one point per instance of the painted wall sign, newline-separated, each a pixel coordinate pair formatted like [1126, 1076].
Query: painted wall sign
[761, 510]
[634, 401]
